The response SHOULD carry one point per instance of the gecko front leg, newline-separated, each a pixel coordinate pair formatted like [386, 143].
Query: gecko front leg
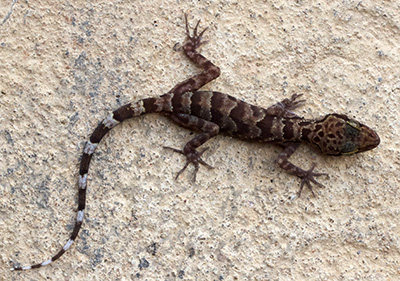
[285, 107]
[307, 177]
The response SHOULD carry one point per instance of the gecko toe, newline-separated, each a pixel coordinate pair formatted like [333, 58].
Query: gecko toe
[192, 157]
[309, 177]
[195, 39]
[293, 103]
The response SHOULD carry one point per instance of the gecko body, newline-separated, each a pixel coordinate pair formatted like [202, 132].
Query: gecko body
[213, 113]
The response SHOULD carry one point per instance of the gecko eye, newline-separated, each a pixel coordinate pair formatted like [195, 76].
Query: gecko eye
[354, 124]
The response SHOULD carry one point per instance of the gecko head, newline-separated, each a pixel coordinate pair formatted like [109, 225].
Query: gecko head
[337, 134]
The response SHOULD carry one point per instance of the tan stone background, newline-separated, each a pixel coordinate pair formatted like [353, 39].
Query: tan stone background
[65, 64]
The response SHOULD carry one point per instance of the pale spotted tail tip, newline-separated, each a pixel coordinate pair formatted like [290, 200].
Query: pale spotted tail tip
[20, 268]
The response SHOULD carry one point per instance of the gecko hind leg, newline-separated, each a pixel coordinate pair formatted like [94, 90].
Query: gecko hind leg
[196, 38]
[209, 70]
[193, 157]
[209, 130]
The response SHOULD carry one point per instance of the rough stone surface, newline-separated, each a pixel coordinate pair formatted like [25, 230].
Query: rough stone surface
[65, 64]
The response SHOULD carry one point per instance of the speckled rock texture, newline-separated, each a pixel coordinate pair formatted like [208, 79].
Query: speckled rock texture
[65, 64]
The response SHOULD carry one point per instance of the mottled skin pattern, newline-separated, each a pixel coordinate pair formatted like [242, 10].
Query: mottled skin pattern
[212, 113]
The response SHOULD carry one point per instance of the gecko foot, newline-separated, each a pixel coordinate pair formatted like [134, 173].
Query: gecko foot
[308, 177]
[192, 156]
[292, 103]
[285, 107]
[194, 40]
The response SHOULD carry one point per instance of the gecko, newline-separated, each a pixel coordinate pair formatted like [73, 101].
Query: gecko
[212, 113]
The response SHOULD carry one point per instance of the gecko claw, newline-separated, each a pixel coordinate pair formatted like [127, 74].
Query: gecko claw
[195, 39]
[292, 103]
[195, 28]
[308, 177]
[192, 156]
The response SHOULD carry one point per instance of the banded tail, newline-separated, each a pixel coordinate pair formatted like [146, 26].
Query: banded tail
[149, 105]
